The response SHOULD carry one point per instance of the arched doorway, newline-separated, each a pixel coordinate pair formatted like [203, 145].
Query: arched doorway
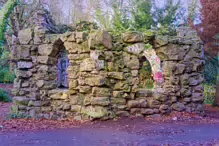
[155, 63]
[145, 74]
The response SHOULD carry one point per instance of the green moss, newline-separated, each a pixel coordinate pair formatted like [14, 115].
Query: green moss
[148, 46]
[149, 33]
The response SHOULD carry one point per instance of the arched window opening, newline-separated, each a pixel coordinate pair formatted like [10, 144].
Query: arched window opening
[145, 74]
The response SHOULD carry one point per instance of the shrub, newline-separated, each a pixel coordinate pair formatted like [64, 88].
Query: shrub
[6, 76]
[210, 71]
[4, 96]
[149, 84]
[209, 93]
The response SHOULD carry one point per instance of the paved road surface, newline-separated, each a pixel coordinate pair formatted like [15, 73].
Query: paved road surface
[150, 135]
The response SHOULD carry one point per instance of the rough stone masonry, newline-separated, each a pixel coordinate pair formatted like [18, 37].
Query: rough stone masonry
[104, 74]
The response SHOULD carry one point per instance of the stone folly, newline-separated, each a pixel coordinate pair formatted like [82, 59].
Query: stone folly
[103, 75]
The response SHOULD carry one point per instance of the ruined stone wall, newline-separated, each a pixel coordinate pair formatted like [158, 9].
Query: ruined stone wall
[105, 74]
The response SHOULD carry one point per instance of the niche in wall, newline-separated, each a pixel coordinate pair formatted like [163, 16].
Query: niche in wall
[63, 64]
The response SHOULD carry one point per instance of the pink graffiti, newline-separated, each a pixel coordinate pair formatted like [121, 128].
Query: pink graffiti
[159, 77]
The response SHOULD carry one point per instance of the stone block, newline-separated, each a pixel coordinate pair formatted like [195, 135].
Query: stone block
[59, 94]
[78, 56]
[131, 61]
[23, 74]
[21, 100]
[84, 89]
[25, 36]
[132, 37]
[43, 68]
[46, 60]
[95, 111]
[22, 51]
[152, 103]
[102, 101]
[47, 50]
[172, 52]
[178, 106]
[46, 109]
[122, 85]
[164, 108]
[160, 41]
[76, 108]
[101, 92]
[133, 104]
[73, 84]
[122, 113]
[186, 91]
[197, 97]
[116, 75]
[135, 111]
[72, 37]
[80, 35]
[96, 81]
[120, 94]
[134, 73]
[146, 111]
[143, 103]
[141, 92]
[136, 49]
[118, 101]
[24, 65]
[66, 107]
[100, 38]
[88, 65]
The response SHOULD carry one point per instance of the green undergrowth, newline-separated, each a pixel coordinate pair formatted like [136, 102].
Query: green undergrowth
[211, 75]
[209, 93]
[4, 97]
[15, 114]
[6, 76]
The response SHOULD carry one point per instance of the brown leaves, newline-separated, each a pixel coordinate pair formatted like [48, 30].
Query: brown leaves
[34, 125]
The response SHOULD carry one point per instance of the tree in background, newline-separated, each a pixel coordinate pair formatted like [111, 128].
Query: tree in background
[208, 31]
[139, 15]
[208, 28]
[167, 14]
[142, 16]
[4, 15]
[5, 12]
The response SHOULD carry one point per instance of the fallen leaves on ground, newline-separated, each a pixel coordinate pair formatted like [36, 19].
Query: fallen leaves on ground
[34, 125]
